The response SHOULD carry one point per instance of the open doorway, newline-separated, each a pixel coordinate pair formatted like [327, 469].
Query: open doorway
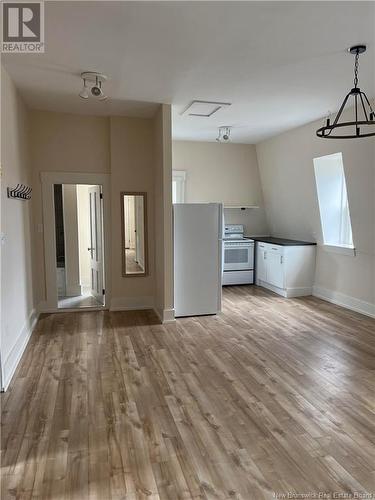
[79, 245]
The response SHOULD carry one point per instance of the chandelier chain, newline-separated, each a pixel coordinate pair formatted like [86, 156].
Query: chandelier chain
[356, 65]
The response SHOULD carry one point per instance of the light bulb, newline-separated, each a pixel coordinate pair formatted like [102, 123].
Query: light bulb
[84, 94]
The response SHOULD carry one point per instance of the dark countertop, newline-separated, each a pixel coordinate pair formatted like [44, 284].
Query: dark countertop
[281, 241]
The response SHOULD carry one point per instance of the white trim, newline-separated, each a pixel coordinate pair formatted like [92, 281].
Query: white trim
[288, 293]
[43, 308]
[166, 316]
[346, 301]
[132, 303]
[179, 176]
[12, 360]
[301, 291]
[343, 250]
[48, 179]
[240, 207]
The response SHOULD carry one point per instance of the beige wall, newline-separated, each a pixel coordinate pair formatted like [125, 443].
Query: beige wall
[63, 143]
[132, 169]
[17, 297]
[287, 174]
[125, 148]
[226, 173]
[164, 299]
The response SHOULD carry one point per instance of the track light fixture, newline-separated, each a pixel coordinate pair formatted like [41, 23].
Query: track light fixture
[364, 115]
[224, 134]
[84, 94]
[92, 85]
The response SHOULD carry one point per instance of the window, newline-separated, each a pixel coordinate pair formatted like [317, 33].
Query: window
[178, 186]
[333, 201]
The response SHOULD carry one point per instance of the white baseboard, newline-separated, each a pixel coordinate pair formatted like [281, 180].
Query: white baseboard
[288, 293]
[301, 291]
[346, 301]
[168, 316]
[131, 303]
[49, 310]
[165, 316]
[11, 362]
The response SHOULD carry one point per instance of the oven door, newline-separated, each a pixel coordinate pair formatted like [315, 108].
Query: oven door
[238, 256]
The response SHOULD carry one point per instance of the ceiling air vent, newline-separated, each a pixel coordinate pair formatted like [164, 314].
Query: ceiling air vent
[204, 108]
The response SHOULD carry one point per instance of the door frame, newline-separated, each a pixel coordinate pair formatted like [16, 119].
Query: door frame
[48, 179]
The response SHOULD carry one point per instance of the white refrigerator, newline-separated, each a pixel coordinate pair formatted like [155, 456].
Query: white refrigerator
[198, 256]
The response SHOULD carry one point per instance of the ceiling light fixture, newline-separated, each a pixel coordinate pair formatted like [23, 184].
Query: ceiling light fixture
[363, 113]
[95, 81]
[84, 94]
[224, 134]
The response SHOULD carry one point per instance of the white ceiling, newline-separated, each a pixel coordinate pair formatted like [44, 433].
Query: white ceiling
[280, 64]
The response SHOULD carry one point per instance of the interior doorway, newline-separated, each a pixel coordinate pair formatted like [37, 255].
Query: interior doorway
[79, 245]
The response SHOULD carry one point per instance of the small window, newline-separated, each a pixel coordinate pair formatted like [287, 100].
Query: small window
[178, 186]
[333, 201]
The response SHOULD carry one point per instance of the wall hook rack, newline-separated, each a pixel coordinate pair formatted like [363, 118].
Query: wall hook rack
[20, 192]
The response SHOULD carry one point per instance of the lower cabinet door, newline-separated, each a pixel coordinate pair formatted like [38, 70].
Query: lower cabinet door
[275, 269]
[261, 269]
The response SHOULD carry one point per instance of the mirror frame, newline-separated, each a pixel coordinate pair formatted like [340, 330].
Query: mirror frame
[123, 250]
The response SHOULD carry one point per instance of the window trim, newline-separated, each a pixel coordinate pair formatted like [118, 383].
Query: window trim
[339, 248]
[180, 177]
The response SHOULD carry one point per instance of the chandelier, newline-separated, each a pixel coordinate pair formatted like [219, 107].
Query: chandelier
[364, 115]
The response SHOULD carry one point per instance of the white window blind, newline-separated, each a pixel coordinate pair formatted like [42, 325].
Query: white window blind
[333, 200]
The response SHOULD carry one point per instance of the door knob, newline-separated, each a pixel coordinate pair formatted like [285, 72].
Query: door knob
[89, 249]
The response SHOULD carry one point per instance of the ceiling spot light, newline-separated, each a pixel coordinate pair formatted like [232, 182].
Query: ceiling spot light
[93, 81]
[364, 115]
[84, 94]
[224, 134]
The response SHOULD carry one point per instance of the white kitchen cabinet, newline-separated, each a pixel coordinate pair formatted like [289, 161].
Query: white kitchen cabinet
[275, 269]
[261, 270]
[286, 270]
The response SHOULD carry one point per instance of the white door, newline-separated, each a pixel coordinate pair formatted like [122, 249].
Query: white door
[139, 231]
[130, 242]
[261, 267]
[275, 269]
[96, 246]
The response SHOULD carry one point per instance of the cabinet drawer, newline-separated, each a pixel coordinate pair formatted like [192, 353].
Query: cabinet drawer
[276, 249]
[268, 247]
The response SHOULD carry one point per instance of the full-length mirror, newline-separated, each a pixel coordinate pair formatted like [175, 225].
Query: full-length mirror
[134, 234]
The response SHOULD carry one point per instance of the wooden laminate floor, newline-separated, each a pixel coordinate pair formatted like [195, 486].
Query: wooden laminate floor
[271, 396]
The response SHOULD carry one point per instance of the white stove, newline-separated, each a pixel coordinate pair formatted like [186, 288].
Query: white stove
[238, 256]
